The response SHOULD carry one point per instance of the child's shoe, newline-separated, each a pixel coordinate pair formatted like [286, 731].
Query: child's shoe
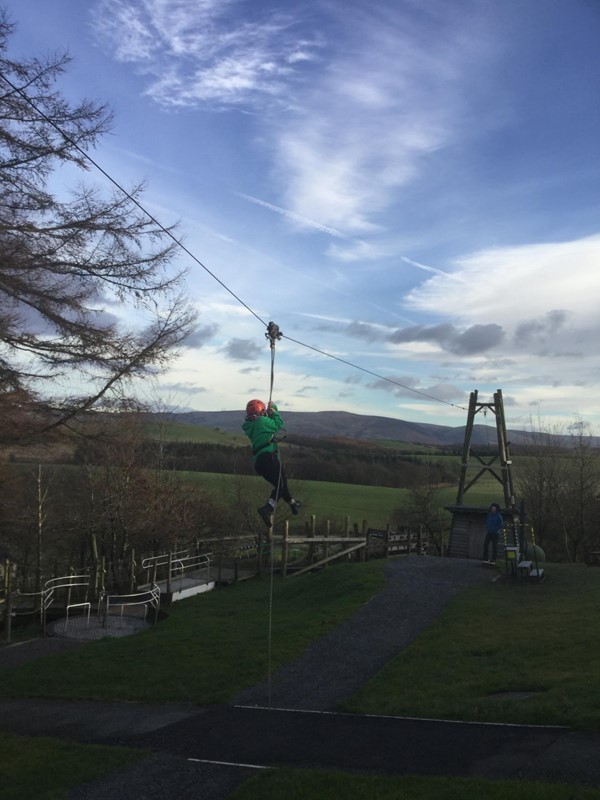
[266, 513]
[295, 505]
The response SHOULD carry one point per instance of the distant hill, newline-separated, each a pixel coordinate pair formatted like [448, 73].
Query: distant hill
[358, 426]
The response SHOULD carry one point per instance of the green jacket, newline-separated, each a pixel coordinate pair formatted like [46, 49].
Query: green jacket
[261, 430]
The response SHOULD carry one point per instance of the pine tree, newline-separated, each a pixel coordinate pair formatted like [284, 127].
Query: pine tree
[72, 262]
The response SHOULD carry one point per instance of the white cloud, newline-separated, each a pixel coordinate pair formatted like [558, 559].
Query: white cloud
[355, 131]
[515, 285]
[204, 52]
[377, 111]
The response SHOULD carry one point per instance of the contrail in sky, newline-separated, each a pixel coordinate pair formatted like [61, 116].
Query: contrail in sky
[295, 217]
[428, 269]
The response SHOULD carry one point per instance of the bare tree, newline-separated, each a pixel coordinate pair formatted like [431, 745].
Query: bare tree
[65, 262]
[578, 504]
[422, 509]
[559, 480]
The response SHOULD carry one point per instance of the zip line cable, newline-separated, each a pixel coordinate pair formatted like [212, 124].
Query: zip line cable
[109, 177]
[179, 243]
[374, 374]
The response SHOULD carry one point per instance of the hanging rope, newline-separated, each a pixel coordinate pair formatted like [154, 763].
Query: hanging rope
[487, 433]
[273, 334]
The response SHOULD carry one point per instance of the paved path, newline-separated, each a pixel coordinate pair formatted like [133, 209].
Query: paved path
[226, 744]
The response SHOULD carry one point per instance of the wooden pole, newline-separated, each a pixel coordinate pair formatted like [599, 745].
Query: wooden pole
[326, 547]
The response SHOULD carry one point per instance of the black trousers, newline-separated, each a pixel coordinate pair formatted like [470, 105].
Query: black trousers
[490, 538]
[271, 469]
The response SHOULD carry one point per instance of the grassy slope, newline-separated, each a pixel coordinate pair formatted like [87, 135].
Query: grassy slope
[45, 769]
[520, 652]
[505, 637]
[210, 647]
[335, 501]
[508, 652]
[499, 638]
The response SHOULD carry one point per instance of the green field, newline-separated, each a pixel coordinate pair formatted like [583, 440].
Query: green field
[187, 432]
[336, 501]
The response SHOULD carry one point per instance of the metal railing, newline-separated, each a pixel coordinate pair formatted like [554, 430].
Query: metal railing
[68, 583]
[178, 564]
[149, 598]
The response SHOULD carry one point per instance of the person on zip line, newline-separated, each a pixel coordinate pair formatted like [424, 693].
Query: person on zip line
[261, 425]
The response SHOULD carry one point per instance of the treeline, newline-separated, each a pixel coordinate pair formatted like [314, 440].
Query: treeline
[305, 458]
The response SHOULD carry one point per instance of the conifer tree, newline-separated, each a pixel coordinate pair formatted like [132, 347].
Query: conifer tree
[73, 264]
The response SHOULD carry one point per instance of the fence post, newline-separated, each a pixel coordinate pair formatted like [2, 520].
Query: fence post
[311, 547]
[169, 566]
[326, 546]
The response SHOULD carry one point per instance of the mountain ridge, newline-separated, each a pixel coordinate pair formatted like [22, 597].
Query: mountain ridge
[330, 424]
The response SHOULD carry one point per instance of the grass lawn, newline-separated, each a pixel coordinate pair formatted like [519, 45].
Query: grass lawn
[45, 769]
[506, 652]
[503, 652]
[210, 646]
[326, 785]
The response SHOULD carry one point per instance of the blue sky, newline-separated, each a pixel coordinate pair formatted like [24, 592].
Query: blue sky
[411, 186]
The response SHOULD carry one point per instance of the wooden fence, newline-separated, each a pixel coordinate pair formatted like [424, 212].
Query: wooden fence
[401, 541]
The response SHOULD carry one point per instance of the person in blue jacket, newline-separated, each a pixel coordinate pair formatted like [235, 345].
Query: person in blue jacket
[260, 426]
[493, 527]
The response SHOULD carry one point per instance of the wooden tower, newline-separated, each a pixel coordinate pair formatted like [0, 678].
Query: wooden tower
[468, 522]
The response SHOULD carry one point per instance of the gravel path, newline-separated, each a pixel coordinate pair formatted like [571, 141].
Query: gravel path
[335, 666]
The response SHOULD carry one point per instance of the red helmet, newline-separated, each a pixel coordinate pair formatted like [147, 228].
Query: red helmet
[255, 408]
